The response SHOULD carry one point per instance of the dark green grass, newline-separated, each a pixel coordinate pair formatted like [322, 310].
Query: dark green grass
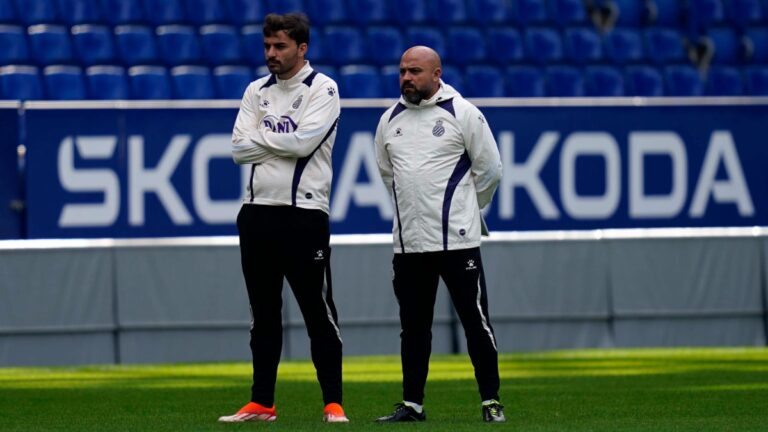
[591, 390]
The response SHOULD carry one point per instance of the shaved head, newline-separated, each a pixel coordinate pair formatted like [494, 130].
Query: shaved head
[420, 71]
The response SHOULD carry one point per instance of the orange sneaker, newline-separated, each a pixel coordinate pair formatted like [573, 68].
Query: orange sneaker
[252, 412]
[334, 413]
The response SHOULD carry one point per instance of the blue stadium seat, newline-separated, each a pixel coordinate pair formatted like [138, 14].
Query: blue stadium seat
[724, 81]
[262, 71]
[408, 12]
[528, 12]
[365, 12]
[37, 11]
[728, 48]
[178, 44]
[325, 12]
[390, 81]
[743, 13]
[506, 45]
[117, 12]
[20, 83]
[623, 45]
[757, 38]
[666, 13]
[161, 12]
[485, 12]
[93, 44]
[453, 77]
[447, 12]
[285, 6]
[13, 39]
[316, 49]
[543, 45]
[384, 45]
[107, 83]
[631, 13]
[603, 81]
[564, 81]
[8, 12]
[231, 81]
[359, 81]
[465, 45]
[64, 82]
[426, 36]
[136, 44]
[682, 80]
[755, 79]
[524, 81]
[582, 45]
[252, 44]
[50, 44]
[703, 14]
[568, 12]
[149, 83]
[221, 44]
[242, 12]
[202, 12]
[348, 45]
[643, 81]
[192, 82]
[80, 11]
[663, 45]
[483, 81]
[328, 71]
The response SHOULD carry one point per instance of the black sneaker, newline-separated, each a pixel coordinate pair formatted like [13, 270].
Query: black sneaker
[494, 413]
[403, 413]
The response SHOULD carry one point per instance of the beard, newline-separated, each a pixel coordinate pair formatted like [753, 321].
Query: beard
[415, 96]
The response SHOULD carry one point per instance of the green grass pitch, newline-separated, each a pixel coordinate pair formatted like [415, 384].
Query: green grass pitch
[589, 390]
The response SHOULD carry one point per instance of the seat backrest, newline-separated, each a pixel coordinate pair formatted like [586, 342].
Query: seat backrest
[316, 50]
[631, 13]
[568, 12]
[192, 82]
[447, 12]
[543, 45]
[564, 81]
[483, 81]
[50, 44]
[390, 81]
[506, 44]
[326, 12]
[727, 46]
[603, 81]
[15, 49]
[161, 12]
[202, 12]
[365, 12]
[663, 45]
[231, 81]
[178, 44]
[643, 80]
[703, 14]
[529, 12]
[453, 77]
[743, 13]
[37, 11]
[8, 12]
[724, 81]
[583, 45]
[63, 82]
[149, 82]
[117, 12]
[427, 36]
[242, 12]
[465, 45]
[285, 6]
[359, 81]
[682, 80]
[485, 12]
[755, 80]
[329, 71]
[80, 11]
[136, 44]
[252, 44]
[758, 41]
[106, 82]
[221, 44]
[524, 81]
[93, 44]
[384, 45]
[408, 12]
[666, 13]
[20, 83]
[348, 45]
[623, 45]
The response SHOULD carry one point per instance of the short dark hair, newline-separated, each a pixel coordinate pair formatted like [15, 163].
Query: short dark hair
[296, 25]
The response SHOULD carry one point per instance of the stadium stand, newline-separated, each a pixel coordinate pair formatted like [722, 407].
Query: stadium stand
[14, 42]
[159, 12]
[107, 83]
[79, 11]
[149, 82]
[118, 12]
[360, 81]
[64, 82]
[524, 81]
[366, 12]
[93, 44]
[221, 44]
[178, 44]
[20, 82]
[231, 81]
[192, 82]
[136, 44]
[50, 44]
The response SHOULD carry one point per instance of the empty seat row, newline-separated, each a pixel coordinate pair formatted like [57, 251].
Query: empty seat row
[694, 14]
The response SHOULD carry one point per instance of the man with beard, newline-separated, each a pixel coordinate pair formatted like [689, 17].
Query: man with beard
[439, 160]
[285, 131]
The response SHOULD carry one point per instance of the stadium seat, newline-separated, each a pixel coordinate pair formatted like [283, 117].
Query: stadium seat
[390, 81]
[568, 12]
[231, 81]
[505, 45]
[465, 45]
[117, 12]
[328, 71]
[326, 12]
[630, 13]
[64, 82]
[107, 83]
[80, 11]
[483, 81]
[485, 12]
[582, 45]
[348, 45]
[528, 12]
[703, 14]
[408, 12]
[724, 81]
[192, 82]
[603, 81]
[242, 12]
[365, 12]
[666, 13]
[161, 12]
[178, 44]
[524, 81]
[663, 46]
[93, 44]
[221, 44]
[384, 45]
[643, 81]
[252, 44]
[202, 12]
[755, 79]
[316, 50]
[743, 13]
[136, 44]
[37, 11]
[727, 45]
[682, 80]
[426, 36]
[543, 45]
[285, 6]
[757, 40]
[623, 45]
[50, 44]
[20, 83]
[14, 42]
[564, 81]
[453, 77]
[262, 71]
[359, 81]
[149, 82]
[447, 12]
[8, 12]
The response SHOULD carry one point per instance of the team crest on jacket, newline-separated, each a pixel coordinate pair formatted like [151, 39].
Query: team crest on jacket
[284, 124]
[438, 130]
[297, 103]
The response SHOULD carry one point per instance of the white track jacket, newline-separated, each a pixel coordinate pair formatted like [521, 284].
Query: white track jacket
[441, 165]
[286, 129]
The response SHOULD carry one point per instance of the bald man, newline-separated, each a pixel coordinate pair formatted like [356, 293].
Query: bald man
[440, 163]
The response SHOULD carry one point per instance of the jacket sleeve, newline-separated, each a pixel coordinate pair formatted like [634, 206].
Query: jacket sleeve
[314, 125]
[382, 157]
[484, 154]
[245, 151]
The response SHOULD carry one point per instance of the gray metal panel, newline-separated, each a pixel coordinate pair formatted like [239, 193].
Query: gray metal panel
[56, 349]
[549, 335]
[689, 332]
[169, 346]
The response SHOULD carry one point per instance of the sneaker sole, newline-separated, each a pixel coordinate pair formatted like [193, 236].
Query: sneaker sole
[334, 419]
[240, 418]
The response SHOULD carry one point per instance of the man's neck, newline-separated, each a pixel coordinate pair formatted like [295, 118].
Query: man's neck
[292, 73]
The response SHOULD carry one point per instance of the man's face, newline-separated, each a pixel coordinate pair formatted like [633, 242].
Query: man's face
[418, 78]
[282, 53]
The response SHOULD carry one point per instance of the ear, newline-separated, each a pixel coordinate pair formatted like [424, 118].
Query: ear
[303, 47]
[436, 75]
